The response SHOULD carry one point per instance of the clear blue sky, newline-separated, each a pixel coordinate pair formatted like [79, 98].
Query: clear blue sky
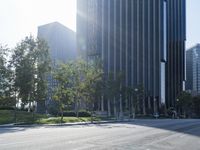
[193, 22]
[19, 18]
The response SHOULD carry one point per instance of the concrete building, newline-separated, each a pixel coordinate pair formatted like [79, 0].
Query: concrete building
[144, 39]
[193, 70]
[62, 44]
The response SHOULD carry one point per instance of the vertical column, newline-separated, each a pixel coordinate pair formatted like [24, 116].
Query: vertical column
[108, 26]
[102, 50]
[137, 38]
[154, 59]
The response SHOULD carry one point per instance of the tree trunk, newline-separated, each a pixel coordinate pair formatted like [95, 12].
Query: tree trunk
[133, 115]
[99, 105]
[120, 108]
[92, 113]
[29, 104]
[102, 103]
[33, 115]
[115, 108]
[138, 104]
[149, 103]
[155, 105]
[15, 111]
[109, 112]
[61, 119]
[77, 109]
[143, 105]
[15, 115]
[91, 116]
[184, 112]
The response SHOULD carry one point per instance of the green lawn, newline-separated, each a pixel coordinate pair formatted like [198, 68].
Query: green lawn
[53, 120]
[7, 116]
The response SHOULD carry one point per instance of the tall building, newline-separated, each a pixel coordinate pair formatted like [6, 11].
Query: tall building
[60, 39]
[193, 70]
[144, 39]
[62, 44]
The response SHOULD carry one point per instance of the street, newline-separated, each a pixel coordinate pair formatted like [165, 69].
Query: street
[157, 134]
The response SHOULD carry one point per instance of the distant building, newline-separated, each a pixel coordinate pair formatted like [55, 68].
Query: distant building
[144, 39]
[62, 44]
[193, 70]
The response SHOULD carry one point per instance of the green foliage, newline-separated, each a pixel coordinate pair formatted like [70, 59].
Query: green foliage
[31, 62]
[23, 117]
[184, 100]
[7, 116]
[113, 86]
[196, 105]
[78, 80]
[73, 114]
[137, 93]
[6, 93]
[64, 93]
[184, 103]
[55, 120]
[93, 82]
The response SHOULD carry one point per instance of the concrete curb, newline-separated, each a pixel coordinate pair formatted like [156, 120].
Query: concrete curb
[66, 124]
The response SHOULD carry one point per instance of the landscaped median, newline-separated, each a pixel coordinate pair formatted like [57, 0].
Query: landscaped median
[27, 118]
[55, 120]
[23, 117]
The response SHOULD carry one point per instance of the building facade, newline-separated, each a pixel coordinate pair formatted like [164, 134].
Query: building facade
[62, 45]
[143, 39]
[193, 70]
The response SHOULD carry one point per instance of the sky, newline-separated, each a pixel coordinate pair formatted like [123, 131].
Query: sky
[193, 22]
[19, 18]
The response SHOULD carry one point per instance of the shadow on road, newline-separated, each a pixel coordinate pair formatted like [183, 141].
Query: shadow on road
[10, 130]
[190, 126]
[185, 126]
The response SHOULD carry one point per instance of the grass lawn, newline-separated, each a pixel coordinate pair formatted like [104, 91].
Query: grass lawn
[7, 116]
[53, 120]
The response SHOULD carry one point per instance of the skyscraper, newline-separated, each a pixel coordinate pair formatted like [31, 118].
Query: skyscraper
[193, 69]
[144, 39]
[62, 44]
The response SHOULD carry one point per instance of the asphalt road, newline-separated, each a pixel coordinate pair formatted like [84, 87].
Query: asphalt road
[137, 135]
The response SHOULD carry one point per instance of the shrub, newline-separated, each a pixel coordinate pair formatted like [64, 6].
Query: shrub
[82, 113]
[6, 108]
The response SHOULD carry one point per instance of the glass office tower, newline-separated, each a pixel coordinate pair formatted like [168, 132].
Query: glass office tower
[193, 70]
[144, 39]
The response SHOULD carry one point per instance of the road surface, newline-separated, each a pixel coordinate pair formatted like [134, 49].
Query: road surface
[136, 135]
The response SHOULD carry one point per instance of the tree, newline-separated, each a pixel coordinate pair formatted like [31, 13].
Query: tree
[113, 90]
[42, 69]
[136, 94]
[31, 62]
[79, 71]
[184, 102]
[110, 92]
[93, 81]
[132, 93]
[141, 98]
[63, 93]
[6, 91]
[196, 105]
